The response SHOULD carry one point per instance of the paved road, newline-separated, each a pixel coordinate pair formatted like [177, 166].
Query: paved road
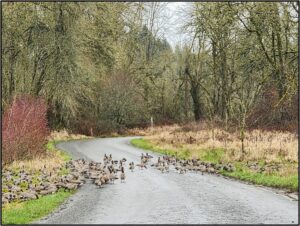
[148, 196]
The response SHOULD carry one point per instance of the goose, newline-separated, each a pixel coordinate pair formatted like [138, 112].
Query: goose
[41, 186]
[158, 160]
[189, 167]
[202, 168]
[105, 158]
[77, 181]
[44, 192]
[131, 166]
[49, 190]
[149, 156]
[28, 195]
[161, 168]
[211, 170]
[98, 182]
[92, 175]
[45, 184]
[145, 160]
[112, 176]
[14, 197]
[99, 166]
[7, 196]
[113, 168]
[58, 184]
[167, 167]
[124, 161]
[105, 178]
[110, 158]
[106, 170]
[30, 187]
[182, 170]
[70, 186]
[76, 175]
[142, 165]
[5, 200]
[122, 176]
[15, 188]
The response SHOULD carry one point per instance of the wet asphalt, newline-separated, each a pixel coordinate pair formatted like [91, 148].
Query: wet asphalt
[151, 197]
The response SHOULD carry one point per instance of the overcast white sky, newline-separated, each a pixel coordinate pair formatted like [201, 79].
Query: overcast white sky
[174, 11]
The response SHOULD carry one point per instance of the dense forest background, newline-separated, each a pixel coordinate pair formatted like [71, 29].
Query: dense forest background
[104, 67]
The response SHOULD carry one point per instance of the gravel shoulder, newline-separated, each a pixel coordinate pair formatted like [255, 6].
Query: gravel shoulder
[148, 196]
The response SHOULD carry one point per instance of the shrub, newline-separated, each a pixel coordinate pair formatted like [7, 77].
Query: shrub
[24, 129]
[270, 114]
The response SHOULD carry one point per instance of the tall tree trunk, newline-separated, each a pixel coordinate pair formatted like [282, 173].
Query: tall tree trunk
[216, 91]
[223, 74]
[196, 102]
[12, 84]
[186, 97]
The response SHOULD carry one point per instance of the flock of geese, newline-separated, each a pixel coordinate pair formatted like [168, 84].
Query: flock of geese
[100, 173]
[165, 163]
[110, 170]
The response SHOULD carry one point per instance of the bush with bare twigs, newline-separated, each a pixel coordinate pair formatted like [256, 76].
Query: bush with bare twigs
[24, 129]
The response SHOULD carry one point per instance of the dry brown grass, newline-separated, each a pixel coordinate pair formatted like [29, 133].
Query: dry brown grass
[270, 146]
[64, 135]
[51, 159]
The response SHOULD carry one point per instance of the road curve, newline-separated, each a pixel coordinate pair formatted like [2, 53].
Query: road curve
[148, 196]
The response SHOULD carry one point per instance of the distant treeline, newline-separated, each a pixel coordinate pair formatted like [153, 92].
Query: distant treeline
[104, 66]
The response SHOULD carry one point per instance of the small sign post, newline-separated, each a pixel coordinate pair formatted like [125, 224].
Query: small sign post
[151, 120]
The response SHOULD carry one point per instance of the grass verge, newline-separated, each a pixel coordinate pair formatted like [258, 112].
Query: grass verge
[147, 145]
[289, 182]
[51, 147]
[25, 212]
[28, 211]
[242, 172]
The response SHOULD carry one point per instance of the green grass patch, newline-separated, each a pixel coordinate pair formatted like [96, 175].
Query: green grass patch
[26, 212]
[147, 145]
[51, 147]
[273, 180]
[212, 155]
[215, 155]
[141, 143]
[65, 156]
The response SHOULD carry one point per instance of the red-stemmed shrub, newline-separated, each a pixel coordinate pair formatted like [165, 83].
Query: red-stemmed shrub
[270, 114]
[24, 129]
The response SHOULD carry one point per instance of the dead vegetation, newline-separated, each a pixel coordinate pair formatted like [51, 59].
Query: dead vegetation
[52, 157]
[269, 158]
[51, 161]
[65, 135]
[269, 146]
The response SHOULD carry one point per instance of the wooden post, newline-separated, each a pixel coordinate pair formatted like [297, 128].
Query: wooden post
[151, 121]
